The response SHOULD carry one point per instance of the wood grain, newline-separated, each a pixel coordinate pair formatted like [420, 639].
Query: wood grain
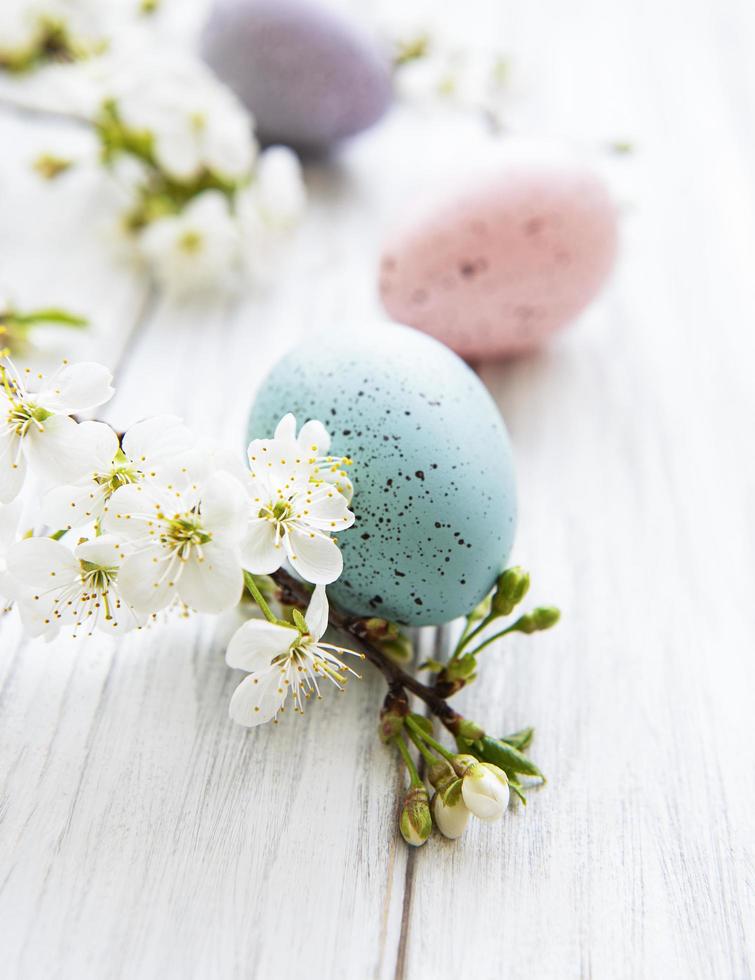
[142, 835]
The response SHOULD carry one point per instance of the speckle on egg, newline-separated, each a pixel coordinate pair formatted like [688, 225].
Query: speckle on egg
[435, 498]
[493, 271]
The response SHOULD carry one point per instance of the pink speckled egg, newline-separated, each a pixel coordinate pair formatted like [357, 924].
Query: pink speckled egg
[495, 270]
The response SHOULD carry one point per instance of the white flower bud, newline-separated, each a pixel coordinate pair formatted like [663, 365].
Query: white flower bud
[485, 789]
[280, 189]
[451, 821]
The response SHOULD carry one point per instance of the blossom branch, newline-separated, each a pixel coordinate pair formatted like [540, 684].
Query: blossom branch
[163, 523]
[295, 593]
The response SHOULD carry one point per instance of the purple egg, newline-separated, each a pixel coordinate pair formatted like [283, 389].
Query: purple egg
[308, 77]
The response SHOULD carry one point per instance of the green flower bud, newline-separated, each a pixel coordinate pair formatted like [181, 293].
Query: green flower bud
[541, 618]
[467, 729]
[513, 585]
[399, 650]
[390, 725]
[416, 822]
[463, 668]
[463, 761]
[389, 638]
[441, 775]
[392, 714]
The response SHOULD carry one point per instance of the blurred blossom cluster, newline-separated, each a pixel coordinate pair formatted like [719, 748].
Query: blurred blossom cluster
[204, 205]
[433, 68]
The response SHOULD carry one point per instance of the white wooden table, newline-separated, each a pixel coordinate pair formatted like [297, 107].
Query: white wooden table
[142, 835]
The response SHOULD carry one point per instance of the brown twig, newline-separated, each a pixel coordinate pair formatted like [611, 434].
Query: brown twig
[296, 593]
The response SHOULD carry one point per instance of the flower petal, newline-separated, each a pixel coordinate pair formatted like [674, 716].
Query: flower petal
[257, 699]
[77, 387]
[314, 438]
[225, 508]
[315, 557]
[122, 618]
[37, 616]
[451, 821]
[99, 443]
[154, 439]
[12, 468]
[42, 563]
[73, 505]
[335, 475]
[254, 645]
[286, 428]
[260, 553]
[105, 551]
[280, 189]
[324, 508]
[214, 582]
[147, 579]
[58, 452]
[177, 152]
[130, 509]
[316, 616]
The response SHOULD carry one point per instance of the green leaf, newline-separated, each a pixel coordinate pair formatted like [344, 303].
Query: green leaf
[300, 622]
[517, 789]
[507, 757]
[521, 739]
[432, 665]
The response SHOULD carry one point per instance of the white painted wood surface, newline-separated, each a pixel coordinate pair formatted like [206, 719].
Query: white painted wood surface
[142, 835]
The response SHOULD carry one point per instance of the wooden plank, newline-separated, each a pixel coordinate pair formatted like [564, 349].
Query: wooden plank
[629, 433]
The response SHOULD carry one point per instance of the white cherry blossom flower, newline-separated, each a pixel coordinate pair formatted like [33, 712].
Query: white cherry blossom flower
[183, 544]
[36, 431]
[294, 511]
[282, 659]
[152, 450]
[65, 588]
[470, 77]
[197, 249]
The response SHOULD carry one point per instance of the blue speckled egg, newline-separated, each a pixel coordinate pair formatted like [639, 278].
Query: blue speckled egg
[434, 491]
[309, 77]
